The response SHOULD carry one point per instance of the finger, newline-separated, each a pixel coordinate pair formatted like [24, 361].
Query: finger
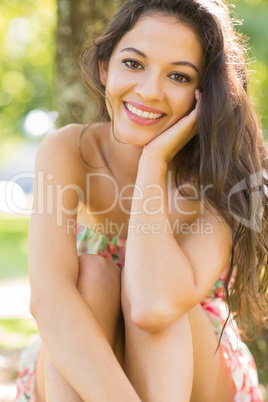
[177, 136]
[198, 97]
[182, 131]
[194, 114]
[190, 122]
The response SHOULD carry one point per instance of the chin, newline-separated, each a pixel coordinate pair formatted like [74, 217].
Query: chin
[136, 138]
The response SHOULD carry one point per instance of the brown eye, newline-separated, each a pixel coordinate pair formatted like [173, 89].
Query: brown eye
[133, 64]
[180, 78]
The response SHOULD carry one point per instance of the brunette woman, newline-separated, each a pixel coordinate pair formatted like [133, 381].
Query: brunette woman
[154, 219]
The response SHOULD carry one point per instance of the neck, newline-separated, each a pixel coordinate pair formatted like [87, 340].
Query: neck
[122, 158]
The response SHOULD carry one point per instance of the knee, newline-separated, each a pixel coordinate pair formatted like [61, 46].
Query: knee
[97, 273]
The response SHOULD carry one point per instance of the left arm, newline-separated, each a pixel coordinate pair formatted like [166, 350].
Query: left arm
[163, 279]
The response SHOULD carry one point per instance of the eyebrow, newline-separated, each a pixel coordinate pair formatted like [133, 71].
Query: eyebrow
[175, 63]
[132, 49]
[185, 63]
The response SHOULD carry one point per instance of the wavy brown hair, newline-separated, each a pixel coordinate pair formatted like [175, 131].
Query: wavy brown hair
[228, 155]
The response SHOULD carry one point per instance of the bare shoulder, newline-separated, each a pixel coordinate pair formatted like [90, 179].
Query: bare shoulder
[65, 139]
[219, 223]
[211, 238]
[207, 244]
[212, 226]
[67, 149]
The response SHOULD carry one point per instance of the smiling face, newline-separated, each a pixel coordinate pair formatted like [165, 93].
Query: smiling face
[151, 78]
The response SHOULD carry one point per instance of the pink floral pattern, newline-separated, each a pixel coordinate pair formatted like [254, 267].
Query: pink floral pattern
[26, 378]
[111, 247]
[238, 357]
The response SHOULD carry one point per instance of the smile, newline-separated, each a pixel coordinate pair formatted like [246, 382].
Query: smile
[142, 114]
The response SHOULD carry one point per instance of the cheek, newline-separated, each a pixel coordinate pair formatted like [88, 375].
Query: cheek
[118, 85]
[185, 103]
[112, 94]
[109, 106]
[117, 89]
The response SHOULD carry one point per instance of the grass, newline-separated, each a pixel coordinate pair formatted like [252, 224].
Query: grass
[13, 246]
[17, 333]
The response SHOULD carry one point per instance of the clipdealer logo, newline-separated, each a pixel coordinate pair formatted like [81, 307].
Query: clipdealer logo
[49, 197]
[254, 222]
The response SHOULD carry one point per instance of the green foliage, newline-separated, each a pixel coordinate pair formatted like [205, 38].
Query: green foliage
[27, 61]
[254, 16]
[27, 53]
[13, 246]
[17, 333]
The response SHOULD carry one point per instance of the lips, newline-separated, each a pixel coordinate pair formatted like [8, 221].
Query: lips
[142, 114]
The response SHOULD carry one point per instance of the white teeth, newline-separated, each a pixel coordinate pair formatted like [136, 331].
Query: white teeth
[145, 115]
[141, 113]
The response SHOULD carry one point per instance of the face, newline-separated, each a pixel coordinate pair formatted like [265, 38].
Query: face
[151, 78]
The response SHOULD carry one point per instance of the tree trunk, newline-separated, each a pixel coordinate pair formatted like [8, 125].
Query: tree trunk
[77, 20]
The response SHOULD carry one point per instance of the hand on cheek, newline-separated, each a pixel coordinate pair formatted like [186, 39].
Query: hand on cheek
[169, 143]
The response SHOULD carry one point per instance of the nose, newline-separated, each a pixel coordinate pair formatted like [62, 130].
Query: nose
[150, 87]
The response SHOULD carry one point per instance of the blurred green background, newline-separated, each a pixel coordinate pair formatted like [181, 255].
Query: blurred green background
[40, 83]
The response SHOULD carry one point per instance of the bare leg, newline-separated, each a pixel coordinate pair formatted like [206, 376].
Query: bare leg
[160, 365]
[57, 387]
[99, 284]
[212, 379]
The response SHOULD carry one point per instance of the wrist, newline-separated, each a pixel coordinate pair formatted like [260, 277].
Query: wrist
[153, 164]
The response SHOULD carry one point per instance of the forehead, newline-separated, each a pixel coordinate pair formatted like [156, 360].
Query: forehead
[165, 35]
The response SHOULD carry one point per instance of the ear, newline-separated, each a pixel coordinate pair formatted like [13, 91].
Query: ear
[103, 72]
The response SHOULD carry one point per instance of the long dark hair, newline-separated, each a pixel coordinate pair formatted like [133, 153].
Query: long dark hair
[228, 152]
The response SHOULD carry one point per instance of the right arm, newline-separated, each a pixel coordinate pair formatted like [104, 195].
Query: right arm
[70, 332]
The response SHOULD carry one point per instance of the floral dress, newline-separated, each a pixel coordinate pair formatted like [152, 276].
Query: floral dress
[238, 357]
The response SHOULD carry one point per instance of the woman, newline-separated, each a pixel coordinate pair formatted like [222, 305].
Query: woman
[172, 166]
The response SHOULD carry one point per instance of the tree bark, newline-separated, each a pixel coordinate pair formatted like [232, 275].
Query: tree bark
[77, 21]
